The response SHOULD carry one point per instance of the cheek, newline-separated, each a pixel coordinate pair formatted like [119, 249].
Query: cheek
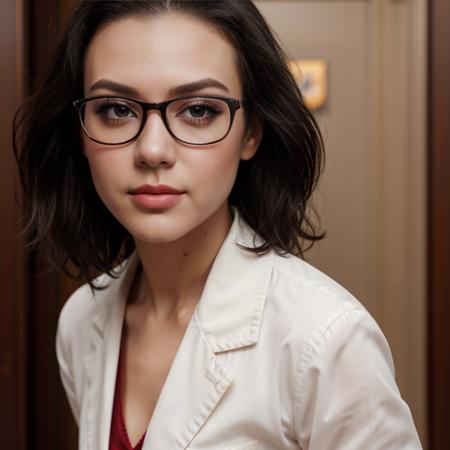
[216, 172]
[106, 171]
[99, 170]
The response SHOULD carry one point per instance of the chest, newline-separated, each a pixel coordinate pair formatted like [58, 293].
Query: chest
[147, 357]
[186, 395]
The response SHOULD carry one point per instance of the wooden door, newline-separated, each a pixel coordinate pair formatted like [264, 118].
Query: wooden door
[51, 426]
[14, 368]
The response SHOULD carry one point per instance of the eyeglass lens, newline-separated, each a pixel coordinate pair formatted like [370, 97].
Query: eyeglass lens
[195, 120]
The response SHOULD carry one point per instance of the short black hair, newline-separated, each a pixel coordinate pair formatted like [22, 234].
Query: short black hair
[64, 214]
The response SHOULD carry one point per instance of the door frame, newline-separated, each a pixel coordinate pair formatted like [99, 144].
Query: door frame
[439, 224]
[14, 367]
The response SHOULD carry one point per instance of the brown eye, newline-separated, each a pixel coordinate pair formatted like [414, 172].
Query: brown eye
[121, 111]
[199, 111]
[115, 110]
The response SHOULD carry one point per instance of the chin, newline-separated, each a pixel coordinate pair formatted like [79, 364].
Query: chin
[157, 234]
[170, 226]
[155, 237]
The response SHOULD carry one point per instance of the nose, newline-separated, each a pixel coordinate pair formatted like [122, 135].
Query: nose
[155, 146]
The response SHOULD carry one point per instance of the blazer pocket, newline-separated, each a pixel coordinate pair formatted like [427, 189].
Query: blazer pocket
[253, 445]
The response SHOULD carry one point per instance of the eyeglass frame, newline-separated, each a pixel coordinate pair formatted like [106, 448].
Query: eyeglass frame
[232, 103]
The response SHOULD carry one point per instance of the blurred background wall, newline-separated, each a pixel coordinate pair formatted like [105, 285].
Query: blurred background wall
[372, 199]
[383, 199]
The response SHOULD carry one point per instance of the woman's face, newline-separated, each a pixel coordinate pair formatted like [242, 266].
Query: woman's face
[152, 55]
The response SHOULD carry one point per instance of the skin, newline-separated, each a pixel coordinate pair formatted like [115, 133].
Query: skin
[176, 246]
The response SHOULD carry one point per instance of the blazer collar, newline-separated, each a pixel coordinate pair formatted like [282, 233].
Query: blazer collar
[232, 302]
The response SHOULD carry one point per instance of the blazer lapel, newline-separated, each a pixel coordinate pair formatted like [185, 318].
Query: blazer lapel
[101, 363]
[195, 384]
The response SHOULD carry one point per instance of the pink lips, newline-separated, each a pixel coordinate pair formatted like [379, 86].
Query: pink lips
[155, 197]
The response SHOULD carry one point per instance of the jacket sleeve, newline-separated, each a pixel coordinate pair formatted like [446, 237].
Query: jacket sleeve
[64, 357]
[345, 394]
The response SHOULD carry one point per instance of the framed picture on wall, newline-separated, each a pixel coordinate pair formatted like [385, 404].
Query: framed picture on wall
[312, 79]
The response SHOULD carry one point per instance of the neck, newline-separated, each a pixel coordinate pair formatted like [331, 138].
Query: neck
[173, 274]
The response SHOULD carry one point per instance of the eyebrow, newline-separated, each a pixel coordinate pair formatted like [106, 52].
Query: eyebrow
[183, 89]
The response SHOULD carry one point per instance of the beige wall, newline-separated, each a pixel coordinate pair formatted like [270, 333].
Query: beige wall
[372, 196]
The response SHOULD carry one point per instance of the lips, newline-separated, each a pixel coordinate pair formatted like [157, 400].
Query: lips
[155, 190]
[155, 197]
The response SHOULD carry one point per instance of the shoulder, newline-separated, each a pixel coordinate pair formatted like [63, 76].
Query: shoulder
[319, 321]
[87, 306]
[84, 304]
[306, 299]
[305, 308]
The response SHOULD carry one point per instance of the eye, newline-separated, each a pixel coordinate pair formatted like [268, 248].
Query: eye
[199, 111]
[114, 109]
[121, 111]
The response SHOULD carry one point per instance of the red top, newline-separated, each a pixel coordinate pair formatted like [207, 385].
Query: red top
[119, 439]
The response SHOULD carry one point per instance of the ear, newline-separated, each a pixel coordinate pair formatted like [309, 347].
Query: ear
[252, 138]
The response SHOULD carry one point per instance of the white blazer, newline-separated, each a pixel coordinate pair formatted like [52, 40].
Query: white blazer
[276, 356]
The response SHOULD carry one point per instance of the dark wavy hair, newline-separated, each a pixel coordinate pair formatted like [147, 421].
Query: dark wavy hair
[64, 214]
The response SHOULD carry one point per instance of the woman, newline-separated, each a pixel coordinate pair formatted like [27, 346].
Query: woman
[169, 138]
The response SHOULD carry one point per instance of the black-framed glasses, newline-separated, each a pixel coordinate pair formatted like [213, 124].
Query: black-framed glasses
[194, 120]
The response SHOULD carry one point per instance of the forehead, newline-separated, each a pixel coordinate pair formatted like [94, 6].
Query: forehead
[155, 53]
